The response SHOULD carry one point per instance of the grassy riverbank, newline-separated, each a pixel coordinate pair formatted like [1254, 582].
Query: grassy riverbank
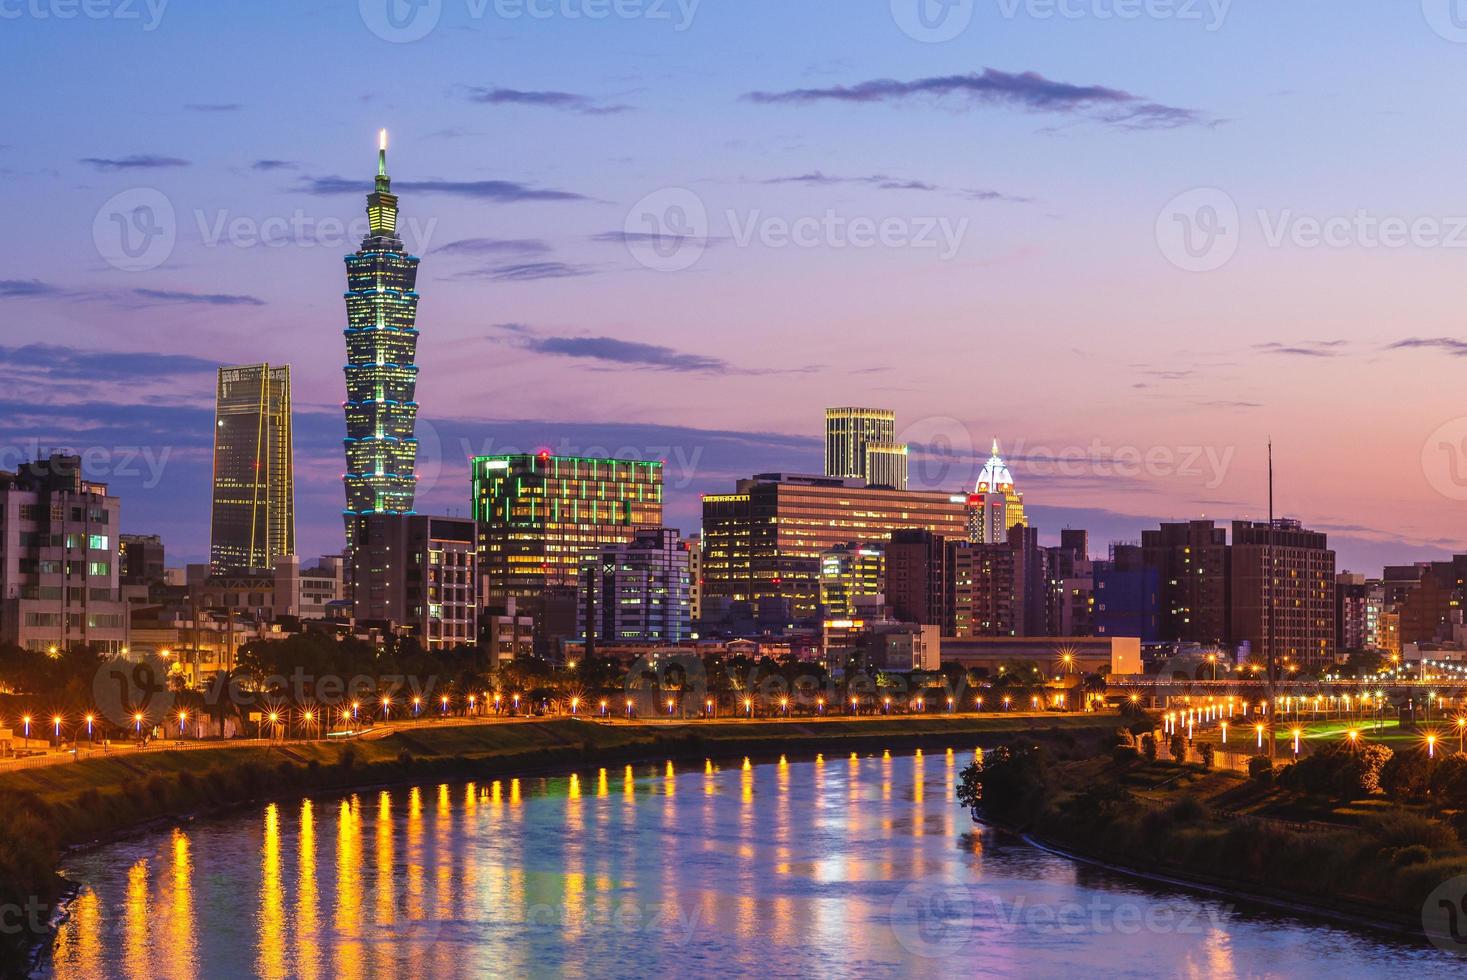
[45, 810]
[1370, 859]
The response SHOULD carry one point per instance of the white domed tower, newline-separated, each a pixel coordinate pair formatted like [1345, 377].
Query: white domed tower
[994, 506]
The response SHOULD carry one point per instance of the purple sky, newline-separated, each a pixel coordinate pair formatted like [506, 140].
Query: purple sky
[1132, 248]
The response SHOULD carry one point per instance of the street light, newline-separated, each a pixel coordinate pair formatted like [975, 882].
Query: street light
[56, 721]
[1431, 746]
[1297, 733]
[748, 707]
[26, 722]
[1461, 734]
[417, 706]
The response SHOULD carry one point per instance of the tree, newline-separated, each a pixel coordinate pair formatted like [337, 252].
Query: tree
[1010, 780]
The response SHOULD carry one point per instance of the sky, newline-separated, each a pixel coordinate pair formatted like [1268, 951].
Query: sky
[1133, 240]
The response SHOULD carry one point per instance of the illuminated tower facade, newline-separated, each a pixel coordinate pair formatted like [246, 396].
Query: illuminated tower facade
[381, 368]
[861, 443]
[253, 518]
[994, 506]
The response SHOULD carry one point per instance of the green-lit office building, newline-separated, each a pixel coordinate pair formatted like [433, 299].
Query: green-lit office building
[539, 515]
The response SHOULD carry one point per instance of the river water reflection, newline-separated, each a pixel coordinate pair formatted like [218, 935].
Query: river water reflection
[841, 866]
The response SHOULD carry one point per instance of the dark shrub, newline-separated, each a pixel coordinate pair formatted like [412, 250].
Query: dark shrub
[1449, 780]
[1340, 770]
[1260, 767]
[1209, 754]
[1148, 746]
[1406, 775]
[1099, 803]
[1123, 755]
[1178, 747]
[1187, 811]
[1398, 829]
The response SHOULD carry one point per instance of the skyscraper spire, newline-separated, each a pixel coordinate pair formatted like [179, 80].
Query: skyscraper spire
[382, 203]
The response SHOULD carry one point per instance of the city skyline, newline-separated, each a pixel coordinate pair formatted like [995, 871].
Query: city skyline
[527, 182]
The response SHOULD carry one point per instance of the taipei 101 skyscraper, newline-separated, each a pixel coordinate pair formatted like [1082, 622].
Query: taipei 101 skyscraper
[381, 368]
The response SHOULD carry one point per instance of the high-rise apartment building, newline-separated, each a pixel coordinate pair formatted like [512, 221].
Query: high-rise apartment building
[253, 518]
[420, 572]
[762, 544]
[1127, 595]
[1300, 627]
[1354, 624]
[917, 578]
[143, 559]
[540, 515]
[638, 591]
[986, 599]
[1435, 602]
[848, 573]
[860, 443]
[1192, 563]
[995, 505]
[695, 576]
[59, 560]
[381, 364]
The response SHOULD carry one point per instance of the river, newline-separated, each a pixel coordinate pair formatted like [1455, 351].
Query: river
[840, 866]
